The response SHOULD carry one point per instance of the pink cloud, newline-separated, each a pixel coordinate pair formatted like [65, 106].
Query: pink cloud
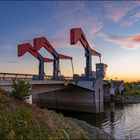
[117, 10]
[96, 29]
[60, 42]
[130, 43]
[61, 38]
[136, 38]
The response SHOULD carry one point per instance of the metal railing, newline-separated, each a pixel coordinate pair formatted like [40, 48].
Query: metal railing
[10, 76]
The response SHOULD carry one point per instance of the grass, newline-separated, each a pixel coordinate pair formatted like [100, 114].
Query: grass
[131, 90]
[20, 120]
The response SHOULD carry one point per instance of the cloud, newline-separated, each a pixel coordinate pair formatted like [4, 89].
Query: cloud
[94, 31]
[6, 47]
[77, 14]
[130, 43]
[136, 37]
[61, 38]
[12, 61]
[133, 18]
[60, 42]
[68, 10]
[118, 10]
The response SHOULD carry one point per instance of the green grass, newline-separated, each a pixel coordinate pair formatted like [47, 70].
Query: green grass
[131, 90]
[19, 120]
[20, 126]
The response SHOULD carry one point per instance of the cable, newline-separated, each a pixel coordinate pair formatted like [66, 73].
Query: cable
[59, 71]
[72, 67]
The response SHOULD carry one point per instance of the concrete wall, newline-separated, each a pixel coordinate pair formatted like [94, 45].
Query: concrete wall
[106, 93]
[37, 89]
[99, 95]
[106, 87]
[73, 97]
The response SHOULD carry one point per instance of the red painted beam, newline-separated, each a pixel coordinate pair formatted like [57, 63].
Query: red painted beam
[43, 42]
[61, 56]
[76, 34]
[27, 47]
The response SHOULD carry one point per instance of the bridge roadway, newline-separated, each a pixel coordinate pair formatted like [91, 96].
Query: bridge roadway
[86, 96]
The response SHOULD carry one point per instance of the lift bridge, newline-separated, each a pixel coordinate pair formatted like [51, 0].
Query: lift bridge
[77, 93]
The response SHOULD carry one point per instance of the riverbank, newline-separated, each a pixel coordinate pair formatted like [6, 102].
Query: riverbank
[94, 132]
[128, 100]
[131, 94]
[20, 120]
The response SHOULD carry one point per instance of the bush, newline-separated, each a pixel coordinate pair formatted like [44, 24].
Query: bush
[21, 89]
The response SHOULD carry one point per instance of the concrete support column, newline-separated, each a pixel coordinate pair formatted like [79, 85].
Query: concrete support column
[41, 69]
[99, 96]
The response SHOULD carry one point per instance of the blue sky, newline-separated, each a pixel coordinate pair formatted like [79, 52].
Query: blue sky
[112, 28]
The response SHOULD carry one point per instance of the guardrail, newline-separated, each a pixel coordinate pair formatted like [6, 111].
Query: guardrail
[10, 76]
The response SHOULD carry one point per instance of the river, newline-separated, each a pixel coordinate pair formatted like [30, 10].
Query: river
[121, 121]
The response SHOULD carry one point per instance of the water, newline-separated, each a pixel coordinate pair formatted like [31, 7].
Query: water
[121, 121]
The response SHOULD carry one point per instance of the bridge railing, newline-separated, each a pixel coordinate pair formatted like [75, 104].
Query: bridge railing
[10, 76]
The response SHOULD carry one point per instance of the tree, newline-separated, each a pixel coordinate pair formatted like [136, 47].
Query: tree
[21, 89]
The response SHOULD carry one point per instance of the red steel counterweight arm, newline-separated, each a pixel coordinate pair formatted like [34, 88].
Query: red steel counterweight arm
[76, 34]
[43, 42]
[27, 47]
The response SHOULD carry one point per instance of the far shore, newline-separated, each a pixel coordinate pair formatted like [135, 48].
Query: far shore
[128, 99]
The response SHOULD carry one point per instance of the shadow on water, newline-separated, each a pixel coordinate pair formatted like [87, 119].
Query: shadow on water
[93, 119]
[121, 121]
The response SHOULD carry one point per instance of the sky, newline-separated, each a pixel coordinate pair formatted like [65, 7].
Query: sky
[111, 28]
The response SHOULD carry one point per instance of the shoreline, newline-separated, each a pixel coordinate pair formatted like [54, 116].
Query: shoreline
[128, 99]
[94, 132]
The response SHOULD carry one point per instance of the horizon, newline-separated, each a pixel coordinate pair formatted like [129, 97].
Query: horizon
[111, 28]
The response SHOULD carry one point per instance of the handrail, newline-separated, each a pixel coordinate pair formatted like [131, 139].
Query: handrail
[10, 76]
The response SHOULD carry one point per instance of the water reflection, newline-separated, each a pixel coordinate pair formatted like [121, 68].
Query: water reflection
[122, 121]
[112, 115]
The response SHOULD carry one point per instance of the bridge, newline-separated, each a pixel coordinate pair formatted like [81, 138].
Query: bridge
[77, 93]
[55, 93]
